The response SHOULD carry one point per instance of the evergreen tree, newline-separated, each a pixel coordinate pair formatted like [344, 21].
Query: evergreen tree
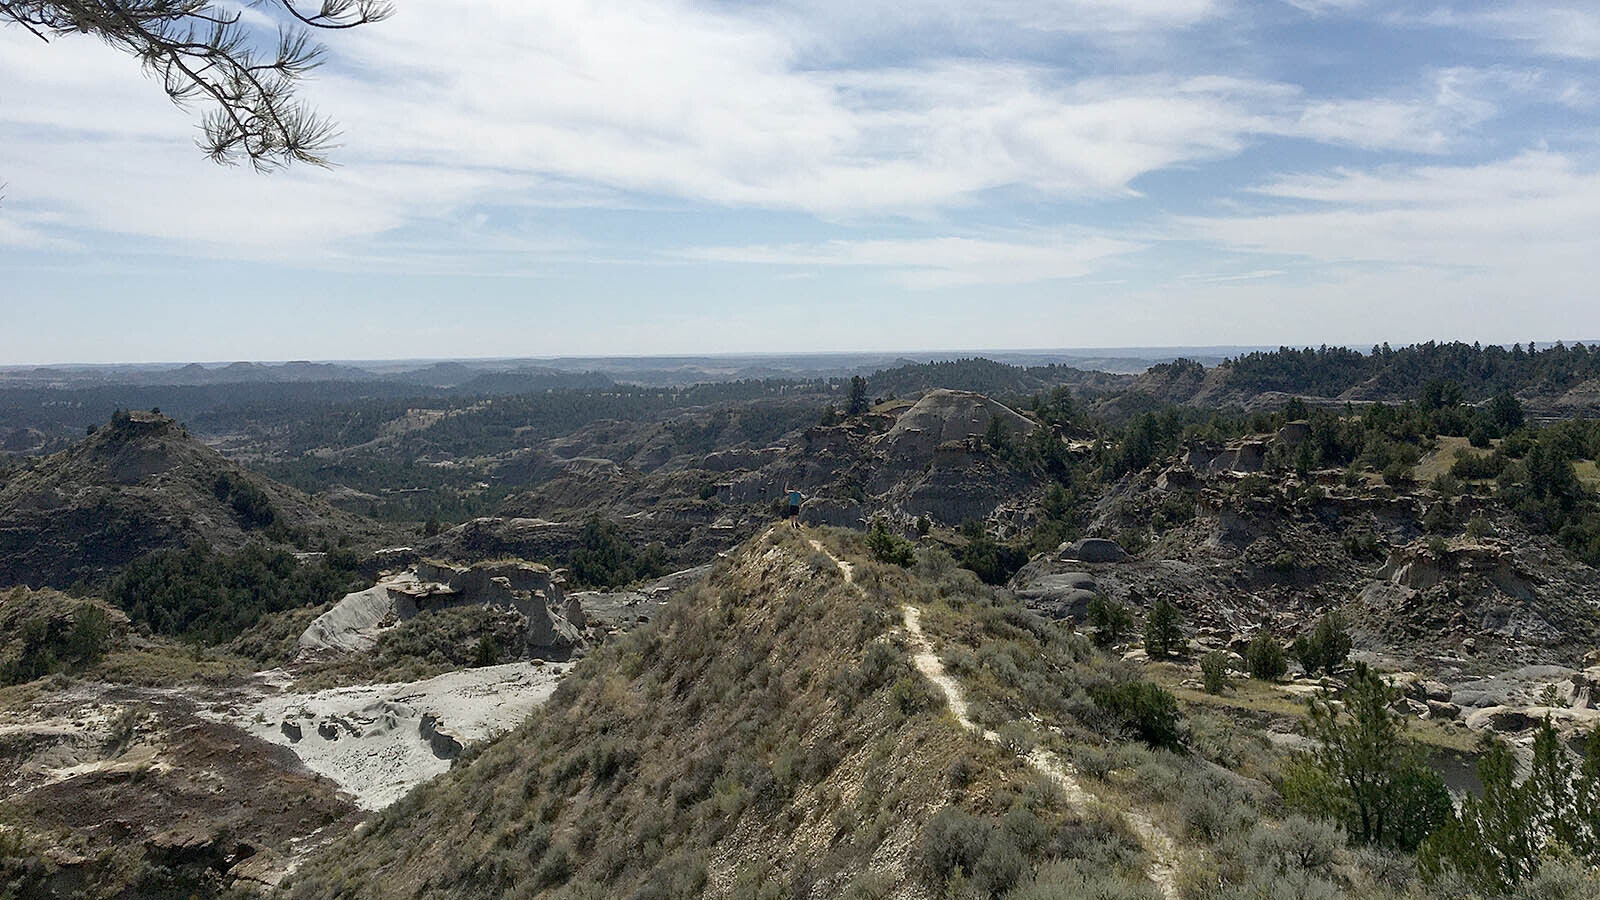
[1111, 621]
[858, 396]
[1327, 646]
[1163, 630]
[208, 52]
[1264, 658]
[888, 547]
[1499, 837]
[1365, 773]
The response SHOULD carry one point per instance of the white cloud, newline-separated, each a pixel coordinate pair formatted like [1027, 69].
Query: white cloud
[589, 103]
[520, 102]
[1549, 27]
[674, 99]
[1325, 7]
[1534, 217]
[942, 262]
[1082, 17]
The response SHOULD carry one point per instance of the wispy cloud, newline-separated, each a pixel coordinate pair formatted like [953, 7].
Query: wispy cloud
[1549, 27]
[923, 153]
[942, 262]
[655, 98]
[1513, 215]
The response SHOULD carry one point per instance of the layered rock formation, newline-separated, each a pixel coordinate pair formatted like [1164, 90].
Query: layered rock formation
[357, 622]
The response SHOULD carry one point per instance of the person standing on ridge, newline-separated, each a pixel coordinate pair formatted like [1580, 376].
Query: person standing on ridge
[795, 499]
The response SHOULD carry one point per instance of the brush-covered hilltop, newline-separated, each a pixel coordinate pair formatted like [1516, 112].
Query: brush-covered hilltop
[1040, 632]
[138, 484]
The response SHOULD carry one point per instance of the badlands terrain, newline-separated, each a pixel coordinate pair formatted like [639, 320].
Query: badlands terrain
[320, 631]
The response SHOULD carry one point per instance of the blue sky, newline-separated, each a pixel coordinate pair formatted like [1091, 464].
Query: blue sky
[522, 178]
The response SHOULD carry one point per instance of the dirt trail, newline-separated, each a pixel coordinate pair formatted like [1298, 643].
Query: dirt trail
[1162, 849]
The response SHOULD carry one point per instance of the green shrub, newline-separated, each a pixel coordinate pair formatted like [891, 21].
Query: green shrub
[1146, 710]
[1397, 474]
[43, 633]
[248, 500]
[1078, 878]
[957, 845]
[1264, 657]
[1365, 773]
[1214, 671]
[1361, 544]
[992, 561]
[212, 596]
[1212, 812]
[1298, 844]
[888, 547]
[1503, 839]
[1326, 647]
[605, 559]
[461, 636]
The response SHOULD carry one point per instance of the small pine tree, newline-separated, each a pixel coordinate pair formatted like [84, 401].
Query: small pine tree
[1501, 837]
[1214, 671]
[888, 547]
[858, 396]
[1111, 620]
[995, 437]
[1264, 658]
[1365, 772]
[1327, 646]
[1163, 630]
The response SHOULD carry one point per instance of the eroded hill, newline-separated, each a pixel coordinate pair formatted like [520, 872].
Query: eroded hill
[767, 736]
[139, 484]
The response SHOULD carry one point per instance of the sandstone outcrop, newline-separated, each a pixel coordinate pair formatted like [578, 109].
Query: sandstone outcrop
[356, 622]
[942, 417]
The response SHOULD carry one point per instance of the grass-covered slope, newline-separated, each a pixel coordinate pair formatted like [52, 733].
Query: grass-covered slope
[766, 737]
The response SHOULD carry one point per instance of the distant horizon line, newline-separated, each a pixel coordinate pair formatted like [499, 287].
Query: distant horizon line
[1138, 351]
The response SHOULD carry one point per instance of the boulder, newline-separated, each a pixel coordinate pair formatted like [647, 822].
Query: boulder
[832, 511]
[1294, 434]
[1406, 706]
[1439, 710]
[443, 741]
[1502, 719]
[1063, 596]
[572, 611]
[189, 844]
[1092, 550]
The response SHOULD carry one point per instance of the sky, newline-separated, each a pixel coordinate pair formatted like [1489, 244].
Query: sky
[517, 178]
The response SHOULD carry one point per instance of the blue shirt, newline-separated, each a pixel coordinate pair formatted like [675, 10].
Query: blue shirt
[795, 498]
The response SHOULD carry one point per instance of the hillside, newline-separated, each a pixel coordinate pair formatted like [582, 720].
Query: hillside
[1426, 571]
[812, 724]
[143, 483]
[768, 736]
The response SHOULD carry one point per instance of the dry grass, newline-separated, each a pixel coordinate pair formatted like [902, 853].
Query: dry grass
[765, 731]
[1588, 473]
[1442, 458]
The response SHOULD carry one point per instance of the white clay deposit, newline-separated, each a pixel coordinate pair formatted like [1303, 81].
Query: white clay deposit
[379, 741]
